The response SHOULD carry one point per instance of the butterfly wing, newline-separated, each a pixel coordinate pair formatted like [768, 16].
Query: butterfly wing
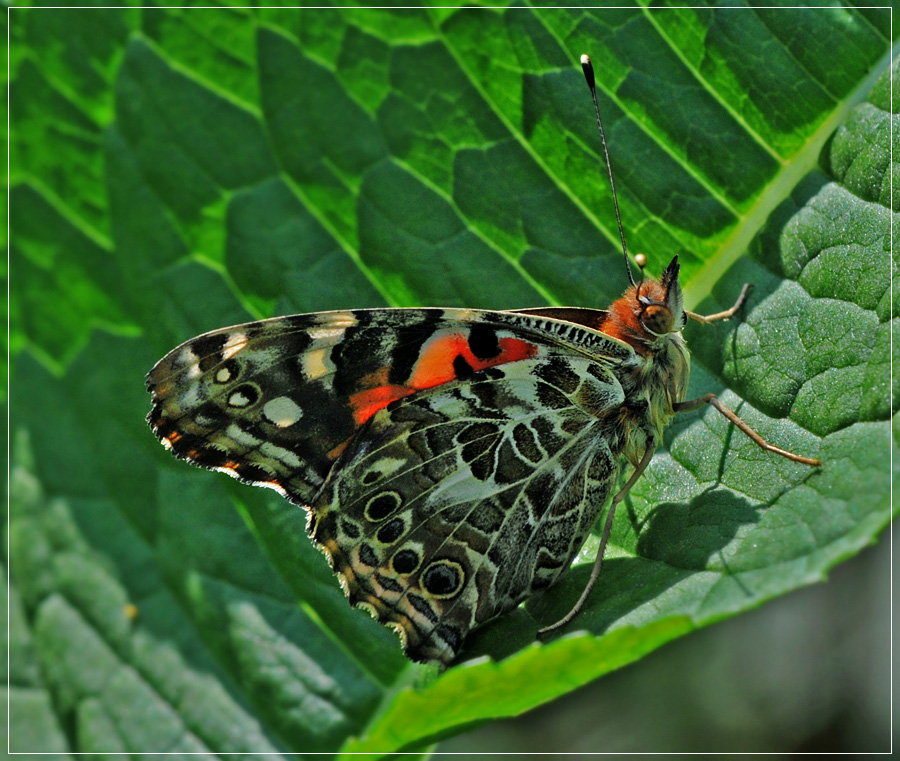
[453, 505]
[488, 428]
[256, 401]
[275, 402]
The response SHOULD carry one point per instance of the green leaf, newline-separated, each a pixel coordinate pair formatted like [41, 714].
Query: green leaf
[176, 170]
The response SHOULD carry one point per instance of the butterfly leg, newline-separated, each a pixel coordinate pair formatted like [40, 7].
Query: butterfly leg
[727, 314]
[604, 538]
[713, 400]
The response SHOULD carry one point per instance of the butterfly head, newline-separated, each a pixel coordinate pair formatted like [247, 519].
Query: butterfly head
[650, 313]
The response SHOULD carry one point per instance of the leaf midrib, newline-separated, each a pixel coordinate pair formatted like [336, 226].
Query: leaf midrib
[777, 191]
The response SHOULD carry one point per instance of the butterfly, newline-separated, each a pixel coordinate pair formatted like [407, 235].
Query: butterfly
[452, 462]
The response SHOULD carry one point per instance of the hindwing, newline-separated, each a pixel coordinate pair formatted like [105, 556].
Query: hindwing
[453, 505]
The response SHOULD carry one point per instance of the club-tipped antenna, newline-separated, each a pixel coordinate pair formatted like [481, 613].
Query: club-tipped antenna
[588, 70]
[641, 261]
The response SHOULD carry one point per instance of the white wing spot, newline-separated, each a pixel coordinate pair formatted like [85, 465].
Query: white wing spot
[234, 344]
[386, 466]
[190, 396]
[239, 436]
[187, 362]
[313, 364]
[282, 411]
[237, 399]
[332, 328]
[285, 456]
[223, 375]
[330, 334]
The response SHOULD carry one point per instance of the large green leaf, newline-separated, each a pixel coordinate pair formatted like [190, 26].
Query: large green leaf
[177, 170]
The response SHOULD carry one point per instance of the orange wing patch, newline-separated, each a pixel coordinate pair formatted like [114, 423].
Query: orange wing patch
[443, 359]
[366, 403]
[439, 361]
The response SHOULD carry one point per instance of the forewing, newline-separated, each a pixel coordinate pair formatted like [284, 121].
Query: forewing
[256, 401]
[453, 505]
[276, 402]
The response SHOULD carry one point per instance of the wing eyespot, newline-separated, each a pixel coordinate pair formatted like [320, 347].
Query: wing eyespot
[382, 505]
[443, 579]
[391, 531]
[228, 372]
[405, 561]
[244, 396]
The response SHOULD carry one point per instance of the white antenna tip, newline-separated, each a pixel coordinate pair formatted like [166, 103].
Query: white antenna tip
[585, 59]
[640, 260]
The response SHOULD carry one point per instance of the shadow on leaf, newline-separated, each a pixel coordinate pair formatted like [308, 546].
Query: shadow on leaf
[675, 542]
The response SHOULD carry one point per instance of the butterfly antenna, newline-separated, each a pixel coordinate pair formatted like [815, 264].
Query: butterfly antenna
[641, 261]
[588, 70]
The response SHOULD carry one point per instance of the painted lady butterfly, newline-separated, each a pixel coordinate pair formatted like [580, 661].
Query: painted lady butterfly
[452, 461]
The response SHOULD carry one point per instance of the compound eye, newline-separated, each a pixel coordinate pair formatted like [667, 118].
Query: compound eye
[658, 319]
